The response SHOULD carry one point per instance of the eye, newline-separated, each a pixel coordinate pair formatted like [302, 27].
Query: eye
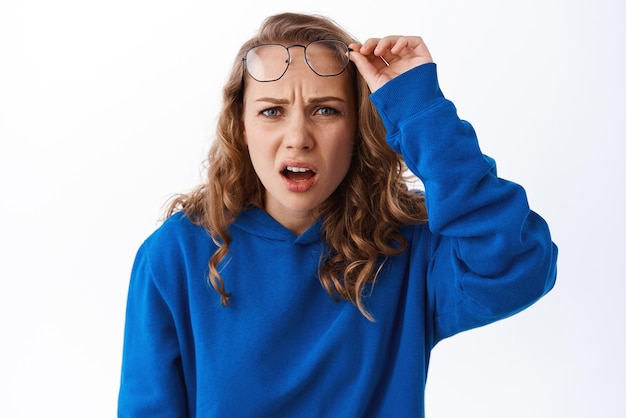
[327, 111]
[271, 112]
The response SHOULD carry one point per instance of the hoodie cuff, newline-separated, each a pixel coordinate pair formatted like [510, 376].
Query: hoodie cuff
[407, 95]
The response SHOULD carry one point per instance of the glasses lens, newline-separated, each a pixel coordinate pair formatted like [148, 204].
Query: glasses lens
[267, 62]
[327, 58]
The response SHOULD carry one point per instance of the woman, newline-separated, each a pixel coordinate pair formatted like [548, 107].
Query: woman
[303, 278]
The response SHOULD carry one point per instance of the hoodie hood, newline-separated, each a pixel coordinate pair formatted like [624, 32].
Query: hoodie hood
[258, 222]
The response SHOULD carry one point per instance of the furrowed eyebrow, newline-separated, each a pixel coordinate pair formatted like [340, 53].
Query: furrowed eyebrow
[313, 100]
[326, 99]
[272, 100]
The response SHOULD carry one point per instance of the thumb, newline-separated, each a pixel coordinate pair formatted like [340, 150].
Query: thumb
[370, 67]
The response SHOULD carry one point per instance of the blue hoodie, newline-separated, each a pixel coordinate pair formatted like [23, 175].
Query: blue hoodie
[284, 347]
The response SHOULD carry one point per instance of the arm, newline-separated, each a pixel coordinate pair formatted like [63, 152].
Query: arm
[152, 381]
[491, 255]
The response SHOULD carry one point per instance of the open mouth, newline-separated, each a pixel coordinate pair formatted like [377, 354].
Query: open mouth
[298, 174]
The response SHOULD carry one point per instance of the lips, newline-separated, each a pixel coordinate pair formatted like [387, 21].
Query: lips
[298, 176]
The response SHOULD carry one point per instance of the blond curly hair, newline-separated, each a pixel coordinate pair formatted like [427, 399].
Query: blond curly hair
[360, 220]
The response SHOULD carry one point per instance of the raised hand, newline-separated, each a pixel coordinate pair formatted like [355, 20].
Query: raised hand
[381, 59]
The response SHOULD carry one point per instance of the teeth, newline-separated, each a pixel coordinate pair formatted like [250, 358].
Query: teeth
[298, 169]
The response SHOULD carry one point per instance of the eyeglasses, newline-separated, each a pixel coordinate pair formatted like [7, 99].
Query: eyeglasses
[269, 62]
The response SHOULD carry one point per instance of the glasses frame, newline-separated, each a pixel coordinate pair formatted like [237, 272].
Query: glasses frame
[306, 59]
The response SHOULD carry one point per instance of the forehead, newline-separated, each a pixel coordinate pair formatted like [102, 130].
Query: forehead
[299, 80]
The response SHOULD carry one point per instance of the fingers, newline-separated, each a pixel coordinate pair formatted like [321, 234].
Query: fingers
[364, 55]
[382, 59]
[369, 65]
[395, 45]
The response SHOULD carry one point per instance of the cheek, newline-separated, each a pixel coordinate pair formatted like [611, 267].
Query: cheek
[348, 157]
[258, 153]
[341, 159]
[250, 137]
[347, 149]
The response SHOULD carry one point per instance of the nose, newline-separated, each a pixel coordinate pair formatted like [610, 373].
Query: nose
[299, 134]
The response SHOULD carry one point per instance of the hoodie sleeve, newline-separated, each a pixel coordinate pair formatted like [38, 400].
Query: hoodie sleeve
[152, 382]
[491, 255]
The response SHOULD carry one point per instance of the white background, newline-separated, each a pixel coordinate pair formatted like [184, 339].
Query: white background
[107, 108]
